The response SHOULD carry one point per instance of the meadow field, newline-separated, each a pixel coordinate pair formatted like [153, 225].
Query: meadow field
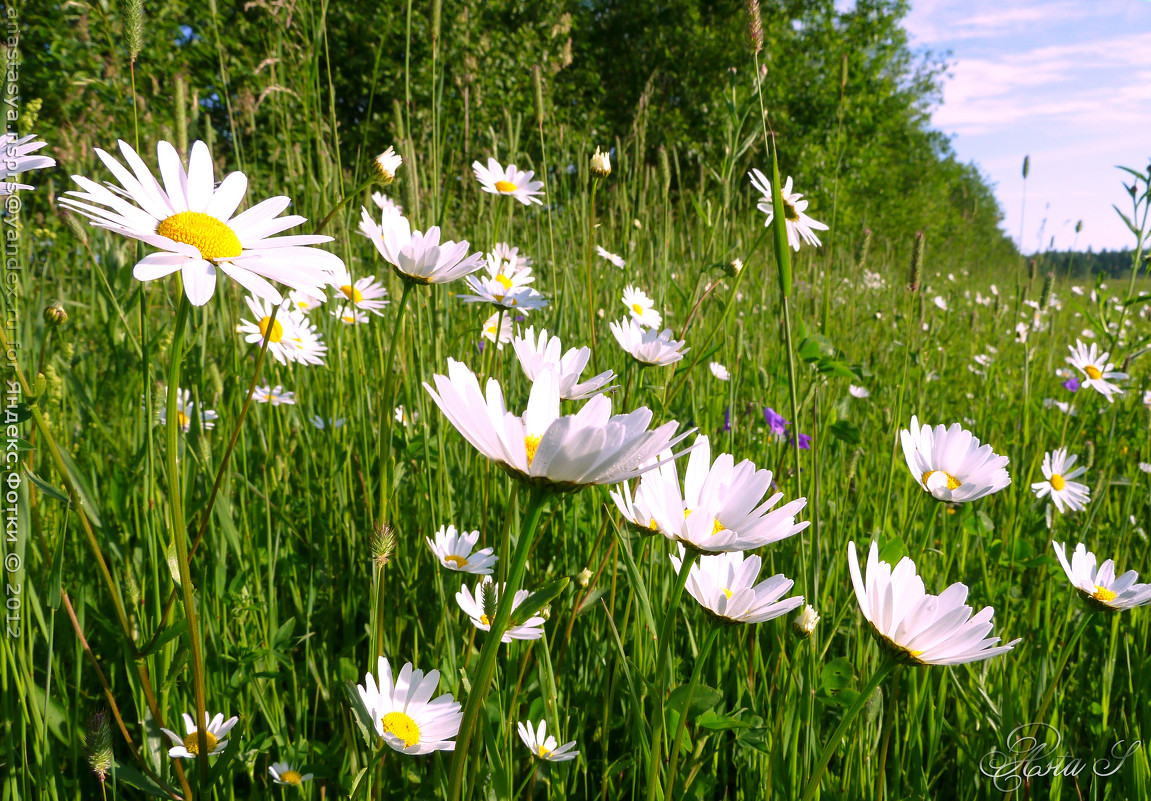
[266, 373]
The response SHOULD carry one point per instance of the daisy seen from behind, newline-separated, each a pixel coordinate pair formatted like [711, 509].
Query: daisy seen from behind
[1058, 483]
[1098, 584]
[543, 745]
[1093, 364]
[454, 551]
[536, 355]
[188, 746]
[951, 464]
[192, 222]
[404, 713]
[511, 181]
[800, 227]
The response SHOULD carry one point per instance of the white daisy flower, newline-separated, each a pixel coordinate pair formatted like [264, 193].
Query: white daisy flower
[1098, 370]
[350, 315]
[1021, 331]
[331, 422]
[507, 266]
[648, 347]
[506, 332]
[940, 302]
[1059, 485]
[481, 608]
[537, 355]
[454, 551]
[720, 508]
[1145, 467]
[404, 716]
[365, 293]
[544, 746]
[1077, 290]
[544, 447]
[858, 392]
[385, 166]
[1061, 406]
[186, 411]
[419, 257]
[915, 627]
[190, 221]
[278, 332]
[512, 181]
[403, 418]
[215, 730]
[284, 773]
[303, 302]
[388, 206]
[497, 293]
[601, 164]
[303, 342]
[1147, 398]
[641, 307]
[951, 464]
[613, 258]
[1100, 586]
[719, 371]
[14, 160]
[799, 226]
[805, 622]
[274, 395]
[724, 584]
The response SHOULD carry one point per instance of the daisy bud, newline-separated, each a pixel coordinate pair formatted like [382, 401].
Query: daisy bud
[584, 577]
[601, 164]
[804, 622]
[385, 166]
[383, 545]
[734, 268]
[916, 270]
[98, 741]
[55, 314]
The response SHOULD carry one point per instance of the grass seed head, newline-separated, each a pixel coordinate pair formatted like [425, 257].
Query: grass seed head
[915, 272]
[99, 744]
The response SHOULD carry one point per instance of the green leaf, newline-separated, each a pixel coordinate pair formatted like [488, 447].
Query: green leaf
[815, 347]
[716, 722]
[134, 778]
[703, 699]
[541, 598]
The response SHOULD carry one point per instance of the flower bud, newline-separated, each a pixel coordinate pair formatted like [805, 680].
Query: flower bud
[734, 268]
[385, 165]
[601, 164]
[804, 622]
[55, 314]
[584, 577]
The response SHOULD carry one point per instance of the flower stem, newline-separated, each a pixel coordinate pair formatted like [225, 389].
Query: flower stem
[179, 535]
[490, 650]
[673, 761]
[343, 202]
[812, 787]
[590, 289]
[1063, 657]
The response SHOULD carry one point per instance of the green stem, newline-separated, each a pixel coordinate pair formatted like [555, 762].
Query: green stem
[673, 762]
[179, 535]
[343, 202]
[812, 787]
[490, 650]
[665, 636]
[1063, 657]
[590, 288]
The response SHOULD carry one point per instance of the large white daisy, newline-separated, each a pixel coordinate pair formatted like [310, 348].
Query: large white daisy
[417, 256]
[542, 446]
[537, 355]
[404, 716]
[14, 160]
[190, 221]
[915, 627]
[481, 609]
[511, 181]
[1059, 485]
[724, 584]
[951, 464]
[1099, 585]
[648, 347]
[1098, 370]
[799, 225]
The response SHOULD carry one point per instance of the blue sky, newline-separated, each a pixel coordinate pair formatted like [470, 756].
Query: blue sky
[1067, 82]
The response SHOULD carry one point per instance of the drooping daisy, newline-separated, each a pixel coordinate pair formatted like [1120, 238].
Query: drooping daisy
[365, 293]
[454, 551]
[277, 332]
[331, 422]
[303, 302]
[404, 716]
[915, 627]
[497, 293]
[190, 221]
[641, 307]
[648, 347]
[508, 267]
[799, 226]
[1098, 370]
[386, 165]
[858, 392]
[215, 730]
[417, 256]
[720, 508]
[719, 371]
[537, 355]
[284, 773]
[951, 464]
[544, 447]
[512, 181]
[724, 584]
[481, 608]
[545, 746]
[186, 411]
[805, 622]
[14, 160]
[506, 330]
[1100, 586]
[613, 258]
[1059, 485]
[350, 315]
[275, 396]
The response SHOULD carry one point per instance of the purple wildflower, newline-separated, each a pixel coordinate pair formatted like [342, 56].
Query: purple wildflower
[775, 421]
[804, 442]
[1071, 384]
[727, 419]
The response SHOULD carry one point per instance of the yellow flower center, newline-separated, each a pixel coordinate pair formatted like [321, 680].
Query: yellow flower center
[654, 526]
[214, 239]
[352, 294]
[487, 621]
[302, 304]
[349, 319]
[915, 653]
[952, 482]
[717, 527]
[635, 307]
[402, 726]
[277, 330]
[532, 444]
[1103, 594]
[543, 752]
[1093, 372]
[182, 420]
[505, 186]
[192, 743]
[291, 777]
[727, 592]
[503, 279]
[1057, 482]
[458, 561]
